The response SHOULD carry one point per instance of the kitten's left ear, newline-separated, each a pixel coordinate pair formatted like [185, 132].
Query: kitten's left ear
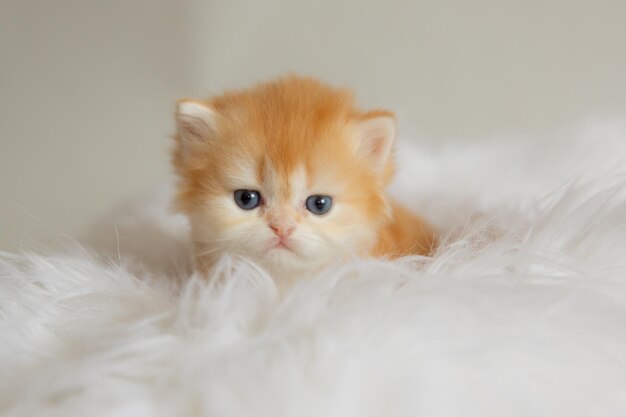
[376, 132]
[196, 122]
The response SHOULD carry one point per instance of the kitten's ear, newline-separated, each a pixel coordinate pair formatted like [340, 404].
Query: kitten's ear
[196, 122]
[376, 132]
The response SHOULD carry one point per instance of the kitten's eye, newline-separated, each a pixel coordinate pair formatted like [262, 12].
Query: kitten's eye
[319, 204]
[247, 199]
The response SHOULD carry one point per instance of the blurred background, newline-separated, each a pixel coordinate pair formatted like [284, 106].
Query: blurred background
[87, 89]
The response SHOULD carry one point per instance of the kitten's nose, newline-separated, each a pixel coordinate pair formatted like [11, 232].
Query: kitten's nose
[282, 231]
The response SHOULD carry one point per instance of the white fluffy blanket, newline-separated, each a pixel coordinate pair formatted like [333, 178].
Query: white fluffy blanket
[522, 312]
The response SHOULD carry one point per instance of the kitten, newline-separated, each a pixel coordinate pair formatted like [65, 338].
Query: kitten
[291, 175]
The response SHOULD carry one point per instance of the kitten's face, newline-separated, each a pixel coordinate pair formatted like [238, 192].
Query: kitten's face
[287, 174]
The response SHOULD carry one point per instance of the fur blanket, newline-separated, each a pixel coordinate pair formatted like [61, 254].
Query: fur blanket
[522, 312]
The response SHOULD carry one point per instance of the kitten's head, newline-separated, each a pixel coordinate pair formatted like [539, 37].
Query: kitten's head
[289, 174]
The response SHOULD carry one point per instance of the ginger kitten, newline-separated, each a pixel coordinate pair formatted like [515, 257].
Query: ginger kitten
[291, 175]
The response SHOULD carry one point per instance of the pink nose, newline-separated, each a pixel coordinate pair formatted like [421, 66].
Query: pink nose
[281, 231]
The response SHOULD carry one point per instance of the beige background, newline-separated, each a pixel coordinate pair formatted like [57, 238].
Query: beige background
[87, 88]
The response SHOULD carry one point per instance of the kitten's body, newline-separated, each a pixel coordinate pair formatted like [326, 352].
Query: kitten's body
[288, 142]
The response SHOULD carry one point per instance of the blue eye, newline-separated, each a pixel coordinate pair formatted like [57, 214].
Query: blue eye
[247, 199]
[319, 204]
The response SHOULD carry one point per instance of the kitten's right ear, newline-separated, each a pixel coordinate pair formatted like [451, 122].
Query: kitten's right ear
[196, 122]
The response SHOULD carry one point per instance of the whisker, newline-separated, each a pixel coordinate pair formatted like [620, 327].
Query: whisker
[228, 239]
[210, 251]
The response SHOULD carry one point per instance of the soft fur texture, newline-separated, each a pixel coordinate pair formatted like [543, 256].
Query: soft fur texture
[521, 312]
[288, 140]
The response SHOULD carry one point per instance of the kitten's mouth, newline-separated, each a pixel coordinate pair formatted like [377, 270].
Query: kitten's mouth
[282, 246]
